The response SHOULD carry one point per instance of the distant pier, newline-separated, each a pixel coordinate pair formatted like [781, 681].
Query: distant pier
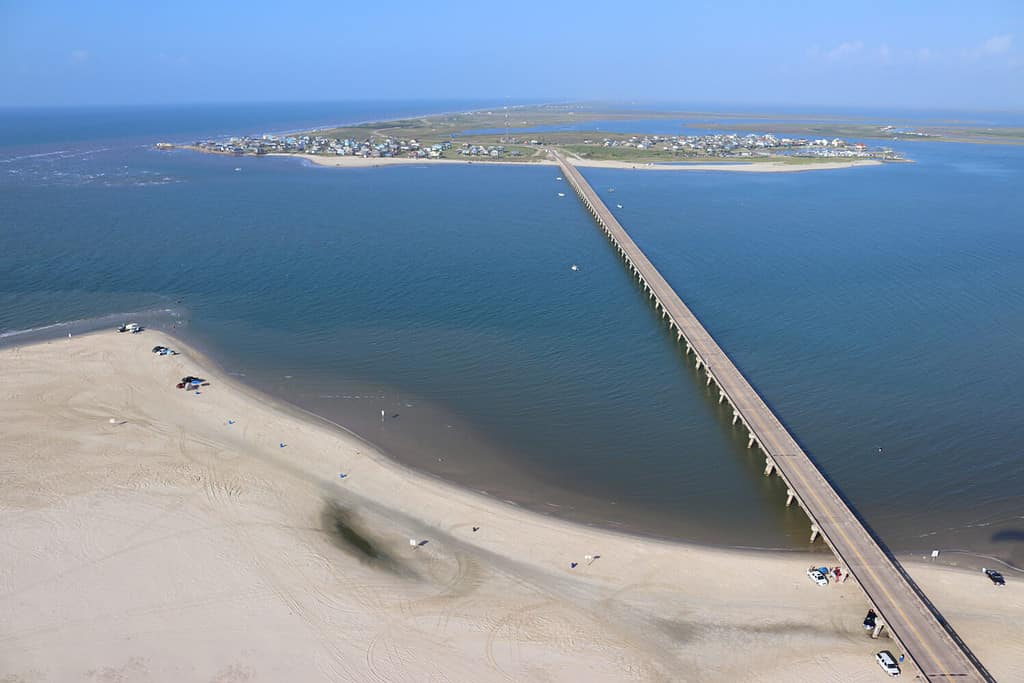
[912, 621]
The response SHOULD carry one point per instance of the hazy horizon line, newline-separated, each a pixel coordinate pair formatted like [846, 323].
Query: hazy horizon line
[669, 105]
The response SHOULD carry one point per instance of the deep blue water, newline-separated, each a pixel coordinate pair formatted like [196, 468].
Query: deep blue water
[874, 308]
[41, 129]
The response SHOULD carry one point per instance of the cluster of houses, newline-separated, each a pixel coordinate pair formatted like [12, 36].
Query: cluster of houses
[490, 151]
[729, 145]
[734, 145]
[316, 144]
[370, 147]
[893, 130]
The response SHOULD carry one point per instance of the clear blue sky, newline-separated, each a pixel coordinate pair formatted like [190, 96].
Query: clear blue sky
[915, 54]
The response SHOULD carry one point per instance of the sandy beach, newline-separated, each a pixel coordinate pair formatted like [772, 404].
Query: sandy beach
[156, 534]
[371, 162]
[754, 167]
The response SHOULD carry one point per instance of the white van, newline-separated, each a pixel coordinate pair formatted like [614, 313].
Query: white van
[888, 663]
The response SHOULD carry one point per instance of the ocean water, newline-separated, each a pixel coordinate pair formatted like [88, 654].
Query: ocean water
[878, 310]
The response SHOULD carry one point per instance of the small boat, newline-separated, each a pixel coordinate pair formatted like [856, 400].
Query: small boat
[561, 194]
[618, 206]
[574, 267]
[558, 178]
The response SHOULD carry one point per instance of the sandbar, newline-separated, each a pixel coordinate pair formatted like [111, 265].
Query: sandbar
[158, 534]
[752, 167]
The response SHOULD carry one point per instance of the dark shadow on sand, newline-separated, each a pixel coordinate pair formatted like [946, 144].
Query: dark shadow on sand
[349, 535]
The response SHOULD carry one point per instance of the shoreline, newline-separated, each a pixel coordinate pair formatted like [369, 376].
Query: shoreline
[725, 166]
[572, 507]
[773, 166]
[172, 519]
[207, 359]
[417, 448]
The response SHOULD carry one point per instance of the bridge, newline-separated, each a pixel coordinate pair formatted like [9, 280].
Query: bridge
[912, 621]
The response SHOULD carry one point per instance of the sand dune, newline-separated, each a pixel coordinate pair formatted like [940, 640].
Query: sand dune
[174, 545]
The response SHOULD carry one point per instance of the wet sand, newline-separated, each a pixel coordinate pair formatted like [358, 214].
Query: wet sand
[211, 536]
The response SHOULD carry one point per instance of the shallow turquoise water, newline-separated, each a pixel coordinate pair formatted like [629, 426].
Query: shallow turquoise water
[873, 308]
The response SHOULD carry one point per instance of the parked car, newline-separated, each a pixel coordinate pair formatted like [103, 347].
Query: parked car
[888, 663]
[869, 620]
[818, 575]
[994, 576]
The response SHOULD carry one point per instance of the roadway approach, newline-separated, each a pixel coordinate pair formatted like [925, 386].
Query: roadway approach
[912, 621]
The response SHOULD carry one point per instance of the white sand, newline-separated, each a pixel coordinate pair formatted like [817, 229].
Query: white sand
[753, 167]
[173, 546]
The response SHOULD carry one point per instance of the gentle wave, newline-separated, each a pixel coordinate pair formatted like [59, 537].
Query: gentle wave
[60, 154]
[32, 156]
[91, 323]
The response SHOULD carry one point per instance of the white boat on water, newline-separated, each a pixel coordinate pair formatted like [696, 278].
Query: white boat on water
[618, 206]
[561, 194]
[558, 178]
[574, 267]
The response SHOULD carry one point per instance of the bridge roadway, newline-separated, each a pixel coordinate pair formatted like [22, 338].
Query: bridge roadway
[921, 632]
